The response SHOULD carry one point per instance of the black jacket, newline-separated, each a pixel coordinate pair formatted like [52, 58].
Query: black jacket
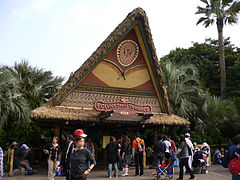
[112, 152]
[53, 151]
[79, 161]
[159, 147]
[68, 148]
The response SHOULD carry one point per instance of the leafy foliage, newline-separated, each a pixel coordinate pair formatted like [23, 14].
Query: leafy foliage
[182, 83]
[212, 118]
[36, 84]
[227, 10]
[12, 103]
[205, 57]
[23, 88]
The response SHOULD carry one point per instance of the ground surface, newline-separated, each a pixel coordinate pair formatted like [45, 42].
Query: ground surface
[215, 173]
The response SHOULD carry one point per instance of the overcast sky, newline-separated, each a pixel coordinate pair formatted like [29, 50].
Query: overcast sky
[59, 35]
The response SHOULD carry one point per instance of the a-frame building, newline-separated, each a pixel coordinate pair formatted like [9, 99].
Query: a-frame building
[119, 85]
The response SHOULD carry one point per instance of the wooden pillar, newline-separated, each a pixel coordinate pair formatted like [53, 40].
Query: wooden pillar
[56, 131]
[155, 135]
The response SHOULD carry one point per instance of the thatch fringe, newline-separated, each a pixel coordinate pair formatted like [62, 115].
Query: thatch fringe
[90, 115]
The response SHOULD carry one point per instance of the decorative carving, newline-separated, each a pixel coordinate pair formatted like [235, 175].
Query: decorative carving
[87, 100]
[114, 90]
[127, 52]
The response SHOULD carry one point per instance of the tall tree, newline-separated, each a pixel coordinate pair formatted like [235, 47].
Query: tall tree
[222, 12]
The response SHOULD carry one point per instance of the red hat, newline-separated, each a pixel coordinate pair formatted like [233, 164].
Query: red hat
[79, 132]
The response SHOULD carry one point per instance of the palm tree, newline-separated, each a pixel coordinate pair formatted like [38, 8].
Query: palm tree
[222, 12]
[183, 87]
[12, 103]
[36, 84]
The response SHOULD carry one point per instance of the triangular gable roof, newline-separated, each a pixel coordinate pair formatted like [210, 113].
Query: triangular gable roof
[136, 17]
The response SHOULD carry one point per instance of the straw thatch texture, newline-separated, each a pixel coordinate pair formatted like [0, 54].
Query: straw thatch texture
[90, 63]
[90, 115]
[66, 113]
[165, 119]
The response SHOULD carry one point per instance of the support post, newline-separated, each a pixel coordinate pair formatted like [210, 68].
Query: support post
[56, 131]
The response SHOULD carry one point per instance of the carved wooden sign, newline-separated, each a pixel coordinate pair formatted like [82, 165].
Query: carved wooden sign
[123, 107]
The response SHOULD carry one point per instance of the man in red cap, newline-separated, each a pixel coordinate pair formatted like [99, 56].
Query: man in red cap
[79, 132]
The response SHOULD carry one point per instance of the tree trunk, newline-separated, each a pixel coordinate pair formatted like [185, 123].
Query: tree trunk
[221, 58]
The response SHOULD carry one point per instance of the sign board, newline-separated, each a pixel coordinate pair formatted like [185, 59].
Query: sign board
[123, 107]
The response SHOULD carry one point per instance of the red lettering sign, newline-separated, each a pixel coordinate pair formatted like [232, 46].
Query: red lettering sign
[123, 107]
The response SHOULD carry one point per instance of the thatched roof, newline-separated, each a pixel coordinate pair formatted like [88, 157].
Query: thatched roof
[54, 108]
[90, 115]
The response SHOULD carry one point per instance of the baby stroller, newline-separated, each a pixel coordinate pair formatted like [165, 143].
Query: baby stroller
[198, 163]
[166, 169]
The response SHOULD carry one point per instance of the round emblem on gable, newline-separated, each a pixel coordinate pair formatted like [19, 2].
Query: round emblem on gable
[127, 52]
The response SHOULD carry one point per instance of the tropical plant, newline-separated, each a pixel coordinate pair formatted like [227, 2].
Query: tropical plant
[183, 87]
[218, 118]
[12, 103]
[37, 85]
[222, 12]
[205, 57]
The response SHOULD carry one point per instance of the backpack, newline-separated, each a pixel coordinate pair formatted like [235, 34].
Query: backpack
[225, 159]
[139, 146]
[234, 166]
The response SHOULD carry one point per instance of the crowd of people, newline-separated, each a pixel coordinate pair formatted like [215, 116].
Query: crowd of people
[77, 157]
[124, 151]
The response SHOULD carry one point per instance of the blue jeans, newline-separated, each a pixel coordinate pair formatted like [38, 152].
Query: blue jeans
[110, 170]
[235, 177]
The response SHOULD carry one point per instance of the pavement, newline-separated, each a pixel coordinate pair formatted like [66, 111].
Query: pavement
[215, 172]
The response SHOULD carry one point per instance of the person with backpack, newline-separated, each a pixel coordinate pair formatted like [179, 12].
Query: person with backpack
[126, 154]
[231, 151]
[183, 155]
[113, 151]
[234, 165]
[138, 149]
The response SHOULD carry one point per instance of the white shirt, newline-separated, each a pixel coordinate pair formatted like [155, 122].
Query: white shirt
[190, 144]
[168, 146]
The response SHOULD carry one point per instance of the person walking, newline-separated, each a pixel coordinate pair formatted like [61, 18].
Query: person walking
[1, 163]
[79, 159]
[159, 151]
[65, 156]
[138, 149]
[183, 155]
[113, 151]
[52, 151]
[168, 147]
[190, 148]
[126, 155]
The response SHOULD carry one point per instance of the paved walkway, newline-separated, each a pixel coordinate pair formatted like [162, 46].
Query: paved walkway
[215, 173]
